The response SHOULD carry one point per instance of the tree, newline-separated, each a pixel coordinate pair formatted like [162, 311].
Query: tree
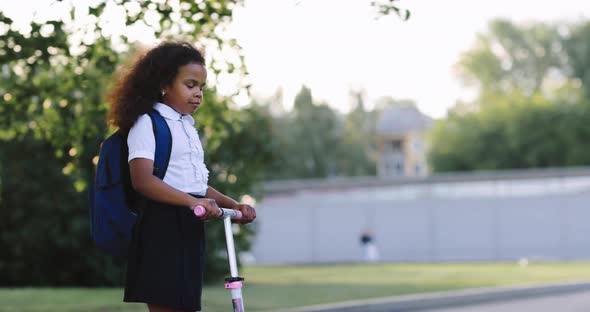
[52, 117]
[314, 137]
[358, 149]
[305, 141]
[387, 7]
[520, 119]
[315, 141]
[514, 132]
[512, 57]
[577, 47]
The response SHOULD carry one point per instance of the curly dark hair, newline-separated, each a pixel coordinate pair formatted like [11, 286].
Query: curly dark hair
[136, 90]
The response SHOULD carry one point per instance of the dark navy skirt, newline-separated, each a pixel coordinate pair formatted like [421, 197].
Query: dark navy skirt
[166, 259]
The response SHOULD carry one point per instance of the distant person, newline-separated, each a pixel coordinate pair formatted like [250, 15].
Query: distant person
[165, 266]
[370, 251]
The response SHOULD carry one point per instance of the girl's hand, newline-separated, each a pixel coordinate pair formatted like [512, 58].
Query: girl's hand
[211, 208]
[248, 213]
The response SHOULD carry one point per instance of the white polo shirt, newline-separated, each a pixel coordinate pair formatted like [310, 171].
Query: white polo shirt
[186, 170]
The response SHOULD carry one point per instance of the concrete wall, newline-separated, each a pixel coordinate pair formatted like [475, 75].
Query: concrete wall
[542, 218]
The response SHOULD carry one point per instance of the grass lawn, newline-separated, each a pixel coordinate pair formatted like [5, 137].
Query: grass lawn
[269, 288]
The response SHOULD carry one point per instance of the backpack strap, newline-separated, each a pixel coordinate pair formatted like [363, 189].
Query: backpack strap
[163, 138]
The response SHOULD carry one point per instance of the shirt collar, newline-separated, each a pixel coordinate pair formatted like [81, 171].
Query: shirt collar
[169, 113]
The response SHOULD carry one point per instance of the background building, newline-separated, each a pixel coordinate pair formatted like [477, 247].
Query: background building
[401, 147]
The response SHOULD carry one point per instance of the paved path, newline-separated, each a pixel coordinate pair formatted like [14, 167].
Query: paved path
[565, 297]
[572, 302]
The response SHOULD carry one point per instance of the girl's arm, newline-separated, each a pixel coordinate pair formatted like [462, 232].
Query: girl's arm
[144, 182]
[222, 200]
[248, 212]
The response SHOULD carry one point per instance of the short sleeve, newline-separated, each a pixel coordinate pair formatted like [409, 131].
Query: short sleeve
[140, 140]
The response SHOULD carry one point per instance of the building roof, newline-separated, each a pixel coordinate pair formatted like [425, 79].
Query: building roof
[402, 119]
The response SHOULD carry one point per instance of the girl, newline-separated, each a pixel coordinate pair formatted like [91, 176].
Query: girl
[166, 259]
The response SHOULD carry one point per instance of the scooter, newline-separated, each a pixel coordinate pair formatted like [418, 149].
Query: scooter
[234, 282]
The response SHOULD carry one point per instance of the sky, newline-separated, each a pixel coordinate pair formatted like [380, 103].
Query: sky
[336, 46]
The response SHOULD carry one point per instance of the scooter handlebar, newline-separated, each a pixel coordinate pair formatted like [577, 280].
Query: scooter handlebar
[225, 213]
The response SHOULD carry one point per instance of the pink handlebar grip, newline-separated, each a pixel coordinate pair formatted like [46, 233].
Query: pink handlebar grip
[199, 211]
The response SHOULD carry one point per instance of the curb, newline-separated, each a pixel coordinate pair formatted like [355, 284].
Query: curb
[444, 299]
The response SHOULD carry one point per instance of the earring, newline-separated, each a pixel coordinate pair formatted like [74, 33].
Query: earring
[163, 93]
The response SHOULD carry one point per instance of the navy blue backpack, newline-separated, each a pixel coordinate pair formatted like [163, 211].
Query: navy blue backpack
[112, 195]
